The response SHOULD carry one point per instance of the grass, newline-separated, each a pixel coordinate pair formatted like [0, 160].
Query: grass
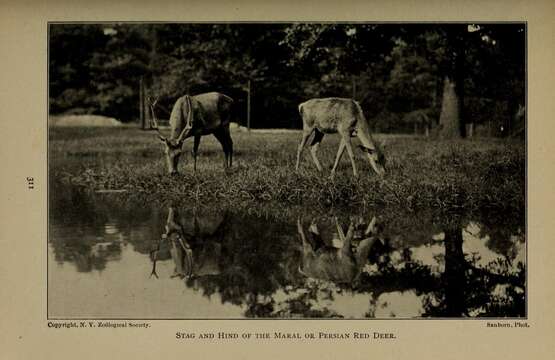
[423, 175]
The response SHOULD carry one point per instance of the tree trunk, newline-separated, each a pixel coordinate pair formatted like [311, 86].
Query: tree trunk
[452, 119]
[470, 131]
[249, 106]
[141, 105]
[449, 119]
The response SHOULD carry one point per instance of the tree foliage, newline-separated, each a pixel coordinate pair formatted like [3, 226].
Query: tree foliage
[392, 69]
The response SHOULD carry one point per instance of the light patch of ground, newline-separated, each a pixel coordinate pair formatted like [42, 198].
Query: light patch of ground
[82, 120]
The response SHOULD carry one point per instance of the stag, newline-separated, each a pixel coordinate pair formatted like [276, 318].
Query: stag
[343, 116]
[196, 116]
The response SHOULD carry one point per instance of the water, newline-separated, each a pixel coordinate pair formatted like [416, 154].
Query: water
[109, 259]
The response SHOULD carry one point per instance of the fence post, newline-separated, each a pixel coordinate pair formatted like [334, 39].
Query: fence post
[249, 106]
[141, 104]
[147, 111]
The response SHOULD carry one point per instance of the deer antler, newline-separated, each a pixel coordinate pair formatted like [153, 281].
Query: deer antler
[153, 121]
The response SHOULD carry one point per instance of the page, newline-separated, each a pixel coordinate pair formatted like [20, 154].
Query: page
[276, 179]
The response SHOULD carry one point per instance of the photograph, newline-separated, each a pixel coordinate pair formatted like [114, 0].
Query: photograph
[286, 170]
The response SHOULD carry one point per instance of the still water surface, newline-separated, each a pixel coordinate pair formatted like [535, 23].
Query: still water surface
[110, 259]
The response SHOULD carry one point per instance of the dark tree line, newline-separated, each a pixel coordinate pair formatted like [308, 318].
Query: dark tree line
[442, 77]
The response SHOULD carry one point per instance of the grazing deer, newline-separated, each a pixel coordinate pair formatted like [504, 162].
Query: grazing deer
[343, 116]
[196, 116]
[340, 263]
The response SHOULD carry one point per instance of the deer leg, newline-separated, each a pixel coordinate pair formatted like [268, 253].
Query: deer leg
[195, 151]
[340, 152]
[220, 136]
[229, 146]
[347, 140]
[318, 136]
[306, 135]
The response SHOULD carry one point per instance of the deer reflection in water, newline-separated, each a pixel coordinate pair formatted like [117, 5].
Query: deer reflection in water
[342, 260]
[195, 254]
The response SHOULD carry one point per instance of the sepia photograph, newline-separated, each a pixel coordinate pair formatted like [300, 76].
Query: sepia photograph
[258, 179]
[287, 170]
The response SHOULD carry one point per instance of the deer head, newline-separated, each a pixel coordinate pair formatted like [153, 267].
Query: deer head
[376, 157]
[172, 147]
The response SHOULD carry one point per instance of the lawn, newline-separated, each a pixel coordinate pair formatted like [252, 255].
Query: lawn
[451, 176]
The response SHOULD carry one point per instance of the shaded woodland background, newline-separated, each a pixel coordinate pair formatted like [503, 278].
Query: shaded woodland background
[448, 80]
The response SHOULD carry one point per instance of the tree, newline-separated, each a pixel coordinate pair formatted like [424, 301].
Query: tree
[452, 117]
[116, 70]
[391, 69]
[497, 73]
[70, 48]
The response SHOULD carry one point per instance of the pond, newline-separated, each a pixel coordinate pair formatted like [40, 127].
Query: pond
[114, 259]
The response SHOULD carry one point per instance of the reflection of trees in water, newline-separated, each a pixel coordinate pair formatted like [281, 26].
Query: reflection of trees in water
[464, 288]
[505, 232]
[259, 266]
[254, 261]
[90, 230]
[306, 300]
[453, 286]
[79, 233]
[86, 252]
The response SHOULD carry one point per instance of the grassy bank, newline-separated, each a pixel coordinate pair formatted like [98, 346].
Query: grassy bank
[469, 175]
